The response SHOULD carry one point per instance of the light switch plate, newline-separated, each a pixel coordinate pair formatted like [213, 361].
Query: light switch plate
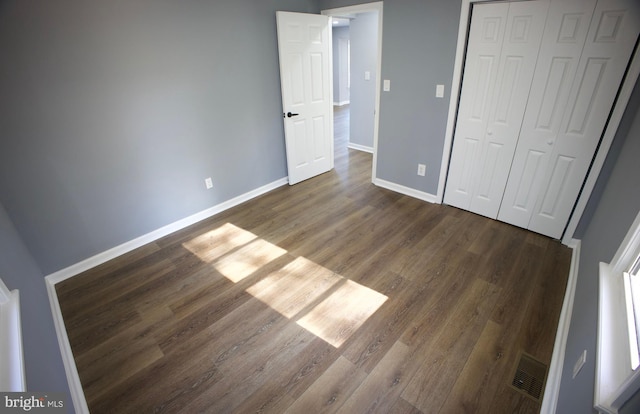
[386, 85]
[367, 75]
[439, 91]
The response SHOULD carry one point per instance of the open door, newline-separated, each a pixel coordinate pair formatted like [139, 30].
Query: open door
[304, 46]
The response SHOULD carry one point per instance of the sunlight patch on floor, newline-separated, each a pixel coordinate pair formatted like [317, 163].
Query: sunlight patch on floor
[295, 286]
[246, 260]
[339, 315]
[326, 304]
[216, 243]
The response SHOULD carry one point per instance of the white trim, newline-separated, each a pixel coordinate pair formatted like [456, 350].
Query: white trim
[126, 247]
[411, 192]
[77, 394]
[5, 293]
[615, 381]
[359, 147]
[456, 83]
[331, 97]
[612, 359]
[552, 388]
[631, 322]
[618, 109]
[364, 8]
[627, 251]
[341, 103]
[12, 376]
[73, 379]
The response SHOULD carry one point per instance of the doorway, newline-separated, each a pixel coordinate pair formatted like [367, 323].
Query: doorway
[356, 82]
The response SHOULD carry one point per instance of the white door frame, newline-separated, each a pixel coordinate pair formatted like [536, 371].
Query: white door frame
[618, 109]
[364, 8]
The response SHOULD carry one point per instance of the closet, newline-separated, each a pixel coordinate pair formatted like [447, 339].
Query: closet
[539, 82]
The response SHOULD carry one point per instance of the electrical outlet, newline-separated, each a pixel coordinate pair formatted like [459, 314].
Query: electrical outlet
[208, 182]
[579, 363]
[422, 170]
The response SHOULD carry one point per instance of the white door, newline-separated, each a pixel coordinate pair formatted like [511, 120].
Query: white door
[504, 40]
[478, 85]
[609, 43]
[565, 33]
[304, 46]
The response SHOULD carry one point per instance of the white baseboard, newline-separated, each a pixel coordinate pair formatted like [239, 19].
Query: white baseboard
[126, 247]
[77, 394]
[73, 379]
[360, 147]
[12, 374]
[411, 192]
[552, 389]
[341, 103]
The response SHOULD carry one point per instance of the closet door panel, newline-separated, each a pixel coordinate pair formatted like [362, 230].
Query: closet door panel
[486, 35]
[564, 36]
[504, 39]
[609, 44]
[525, 25]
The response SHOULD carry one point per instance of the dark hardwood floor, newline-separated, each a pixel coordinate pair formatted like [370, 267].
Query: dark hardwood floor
[332, 295]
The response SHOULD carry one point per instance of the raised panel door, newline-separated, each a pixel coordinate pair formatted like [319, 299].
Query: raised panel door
[608, 47]
[486, 35]
[525, 26]
[564, 36]
[504, 39]
[304, 46]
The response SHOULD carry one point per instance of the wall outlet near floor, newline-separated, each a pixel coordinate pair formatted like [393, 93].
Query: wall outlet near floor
[579, 363]
[422, 169]
[208, 182]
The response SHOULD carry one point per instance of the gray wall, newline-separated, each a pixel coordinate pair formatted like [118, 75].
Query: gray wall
[614, 212]
[340, 65]
[419, 45]
[607, 167]
[419, 39]
[419, 42]
[18, 270]
[364, 53]
[114, 113]
[632, 406]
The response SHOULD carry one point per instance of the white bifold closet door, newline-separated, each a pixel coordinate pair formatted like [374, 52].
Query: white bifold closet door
[565, 33]
[504, 39]
[572, 95]
[582, 54]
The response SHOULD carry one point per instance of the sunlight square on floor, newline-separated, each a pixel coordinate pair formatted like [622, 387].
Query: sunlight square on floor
[326, 304]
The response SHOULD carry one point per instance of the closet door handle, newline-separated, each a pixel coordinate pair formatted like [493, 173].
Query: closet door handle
[289, 114]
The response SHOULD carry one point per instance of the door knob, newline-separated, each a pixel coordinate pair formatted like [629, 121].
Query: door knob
[289, 114]
[549, 142]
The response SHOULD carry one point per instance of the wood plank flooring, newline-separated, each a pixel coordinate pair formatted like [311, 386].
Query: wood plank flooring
[330, 296]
